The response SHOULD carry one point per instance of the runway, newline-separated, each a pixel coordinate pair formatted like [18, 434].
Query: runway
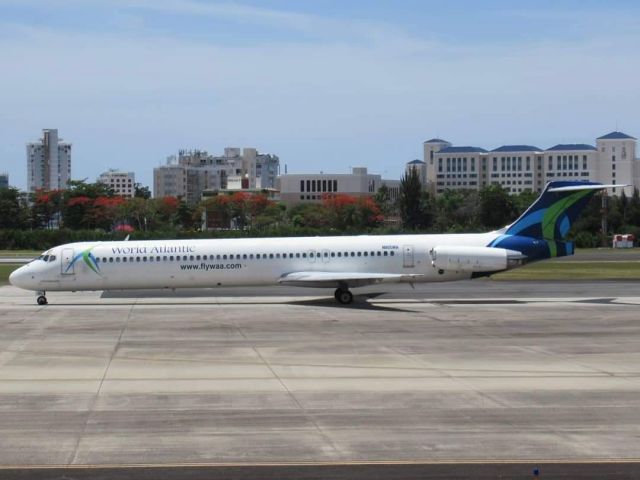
[486, 371]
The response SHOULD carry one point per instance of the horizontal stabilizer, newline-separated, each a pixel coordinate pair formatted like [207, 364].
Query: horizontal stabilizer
[574, 188]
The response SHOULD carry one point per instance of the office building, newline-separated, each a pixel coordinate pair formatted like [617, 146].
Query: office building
[192, 172]
[301, 188]
[519, 168]
[4, 180]
[121, 183]
[48, 162]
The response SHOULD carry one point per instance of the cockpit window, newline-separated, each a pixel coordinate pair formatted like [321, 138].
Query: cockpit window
[45, 258]
[52, 258]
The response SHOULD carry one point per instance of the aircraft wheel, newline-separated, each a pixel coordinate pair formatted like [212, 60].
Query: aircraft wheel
[344, 296]
[42, 300]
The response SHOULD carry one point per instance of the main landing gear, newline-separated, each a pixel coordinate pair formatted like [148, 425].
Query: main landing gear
[343, 296]
[41, 298]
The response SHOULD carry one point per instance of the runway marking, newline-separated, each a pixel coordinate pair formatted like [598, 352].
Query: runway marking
[606, 461]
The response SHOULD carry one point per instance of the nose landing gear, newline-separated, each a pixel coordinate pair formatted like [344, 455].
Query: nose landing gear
[343, 296]
[41, 298]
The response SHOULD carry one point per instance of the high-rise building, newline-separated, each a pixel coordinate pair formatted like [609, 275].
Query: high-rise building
[122, 183]
[194, 171]
[4, 180]
[48, 162]
[519, 168]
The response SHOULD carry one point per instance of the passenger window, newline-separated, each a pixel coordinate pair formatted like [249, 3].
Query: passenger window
[231, 257]
[326, 254]
[244, 256]
[110, 259]
[164, 258]
[151, 259]
[218, 257]
[304, 255]
[333, 254]
[104, 259]
[197, 257]
[137, 259]
[277, 255]
[385, 253]
[379, 253]
[158, 258]
[297, 255]
[392, 253]
[373, 254]
[144, 259]
[271, 255]
[257, 256]
[191, 258]
[171, 258]
[251, 256]
[366, 254]
[124, 259]
[339, 254]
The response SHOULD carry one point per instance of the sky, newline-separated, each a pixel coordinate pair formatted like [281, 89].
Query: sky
[326, 85]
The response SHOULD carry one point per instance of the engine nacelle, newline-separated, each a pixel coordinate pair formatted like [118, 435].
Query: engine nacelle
[474, 259]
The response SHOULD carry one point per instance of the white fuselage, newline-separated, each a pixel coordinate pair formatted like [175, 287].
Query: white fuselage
[235, 262]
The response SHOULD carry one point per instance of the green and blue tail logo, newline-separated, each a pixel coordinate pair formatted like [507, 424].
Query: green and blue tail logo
[89, 259]
[541, 231]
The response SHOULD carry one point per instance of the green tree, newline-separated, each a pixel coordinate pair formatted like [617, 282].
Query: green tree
[497, 208]
[14, 214]
[382, 198]
[413, 202]
[185, 216]
[457, 210]
[142, 191]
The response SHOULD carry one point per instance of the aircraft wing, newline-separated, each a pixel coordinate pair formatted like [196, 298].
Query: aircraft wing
[341, 279]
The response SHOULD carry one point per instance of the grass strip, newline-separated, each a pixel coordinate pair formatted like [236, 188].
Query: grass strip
[550, 270]
[5, 271]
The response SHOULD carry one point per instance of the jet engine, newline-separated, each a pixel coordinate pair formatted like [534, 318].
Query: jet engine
[474, 259]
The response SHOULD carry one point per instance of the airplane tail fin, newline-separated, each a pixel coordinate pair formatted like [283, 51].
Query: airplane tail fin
[550, 217]
[541, 230]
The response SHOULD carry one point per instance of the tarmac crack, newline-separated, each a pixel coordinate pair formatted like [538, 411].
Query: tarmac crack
[74, 456]
[300, 406]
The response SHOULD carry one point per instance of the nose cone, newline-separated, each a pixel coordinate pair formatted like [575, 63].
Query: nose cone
[19, 278]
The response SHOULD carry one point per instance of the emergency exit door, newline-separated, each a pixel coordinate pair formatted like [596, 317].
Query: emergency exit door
[407, 256]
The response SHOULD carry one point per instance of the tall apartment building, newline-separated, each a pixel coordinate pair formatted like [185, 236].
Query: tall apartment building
[4, 180]
[519, 168]
[48, 162]
[194, 171]
[122, 183]
[302, 188]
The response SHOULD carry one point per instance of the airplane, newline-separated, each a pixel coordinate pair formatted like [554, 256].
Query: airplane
[339, 262]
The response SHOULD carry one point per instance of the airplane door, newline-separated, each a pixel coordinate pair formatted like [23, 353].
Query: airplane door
[325, 256]
[68, 268]
[407, 256]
